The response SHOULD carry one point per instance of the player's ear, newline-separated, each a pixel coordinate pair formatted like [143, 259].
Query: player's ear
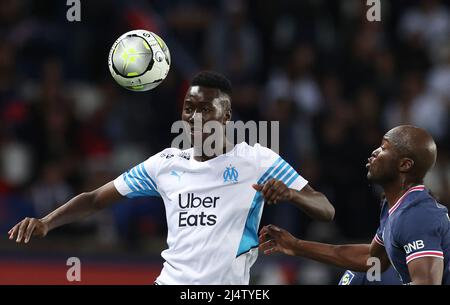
[406, 164]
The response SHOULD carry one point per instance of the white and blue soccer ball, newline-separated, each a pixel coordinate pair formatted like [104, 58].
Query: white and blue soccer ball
[139, 60]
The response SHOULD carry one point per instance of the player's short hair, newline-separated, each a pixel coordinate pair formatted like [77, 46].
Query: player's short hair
[212, 79]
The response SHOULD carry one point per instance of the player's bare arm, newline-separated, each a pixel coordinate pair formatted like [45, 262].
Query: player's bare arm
[426, 271]
[354, 257]
[75, 209]
[313, 203]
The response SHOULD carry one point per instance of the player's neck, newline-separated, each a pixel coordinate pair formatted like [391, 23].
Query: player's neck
[200, 156]
[395, 190]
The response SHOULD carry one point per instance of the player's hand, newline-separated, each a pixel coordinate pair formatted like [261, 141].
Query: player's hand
[27, 228]
[274, 191]
[276, 240]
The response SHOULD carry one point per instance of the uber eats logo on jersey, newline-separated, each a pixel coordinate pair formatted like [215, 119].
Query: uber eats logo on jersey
[193, 219]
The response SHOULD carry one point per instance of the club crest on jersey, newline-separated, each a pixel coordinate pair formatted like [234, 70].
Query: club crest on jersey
[230, 174]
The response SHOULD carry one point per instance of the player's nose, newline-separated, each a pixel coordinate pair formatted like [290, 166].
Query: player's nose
[375, 153]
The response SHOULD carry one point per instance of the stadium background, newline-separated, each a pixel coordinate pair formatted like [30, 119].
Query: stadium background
[335, 81]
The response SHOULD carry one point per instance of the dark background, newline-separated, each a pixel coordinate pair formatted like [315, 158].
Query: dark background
[335, 81]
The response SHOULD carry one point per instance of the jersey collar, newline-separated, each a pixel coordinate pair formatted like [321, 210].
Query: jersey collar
[417, 188]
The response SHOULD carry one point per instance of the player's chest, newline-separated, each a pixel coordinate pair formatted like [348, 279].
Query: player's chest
[393, 250]
[184, 181]
[388, 238]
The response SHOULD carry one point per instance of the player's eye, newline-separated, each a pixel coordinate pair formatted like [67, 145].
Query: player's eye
[206, 109]
[187, 109]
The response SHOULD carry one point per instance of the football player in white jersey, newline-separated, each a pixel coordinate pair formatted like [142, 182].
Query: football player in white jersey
[213, 203]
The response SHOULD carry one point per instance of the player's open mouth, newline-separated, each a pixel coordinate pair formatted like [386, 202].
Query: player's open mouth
[369, 162]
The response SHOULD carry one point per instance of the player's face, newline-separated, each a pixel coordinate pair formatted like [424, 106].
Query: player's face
[382, 165]
[203, 104]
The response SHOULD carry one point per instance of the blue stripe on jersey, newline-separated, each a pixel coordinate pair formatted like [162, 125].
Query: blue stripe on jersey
[269, 171]
[282, 165]
[143, 194]
[136, 179]
[139, 182]
[288, 183]
[280, 175]
[128, 182]
[249, 237]
[142, 180]
[279, 170]
[148, 176]
[289, 175]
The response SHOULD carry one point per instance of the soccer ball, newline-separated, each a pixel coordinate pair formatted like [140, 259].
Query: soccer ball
[139, 60]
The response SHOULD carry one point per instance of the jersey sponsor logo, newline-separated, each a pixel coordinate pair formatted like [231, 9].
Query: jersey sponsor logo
[415, 245]
[186, 218]
[184, 155]
[167, 156]
[230, 174]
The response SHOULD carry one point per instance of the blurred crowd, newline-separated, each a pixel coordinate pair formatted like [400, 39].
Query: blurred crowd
[335, 81]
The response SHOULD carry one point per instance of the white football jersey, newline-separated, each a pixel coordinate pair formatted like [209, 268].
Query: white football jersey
[212, 210]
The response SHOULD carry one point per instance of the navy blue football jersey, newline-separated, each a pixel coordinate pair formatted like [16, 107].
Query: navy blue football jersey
[416, 226]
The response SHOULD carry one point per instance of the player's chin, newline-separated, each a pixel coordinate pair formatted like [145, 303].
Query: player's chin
[373, 177]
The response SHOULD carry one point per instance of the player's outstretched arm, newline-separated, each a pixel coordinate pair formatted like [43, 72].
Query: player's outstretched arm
[354, 257]
[313, 203]
[75, 209]
[426, 271]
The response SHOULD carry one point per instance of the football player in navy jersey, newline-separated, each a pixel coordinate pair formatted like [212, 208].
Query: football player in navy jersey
[414, 231]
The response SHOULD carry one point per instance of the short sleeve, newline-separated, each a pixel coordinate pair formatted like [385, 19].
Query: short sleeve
[271, 165]
[422, 240]
[378, 238]
[140, 180]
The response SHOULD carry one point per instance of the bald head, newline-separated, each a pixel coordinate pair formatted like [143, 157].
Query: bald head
[416, 144]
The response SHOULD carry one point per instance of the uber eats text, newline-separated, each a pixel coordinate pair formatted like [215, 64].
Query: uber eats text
[190, 216]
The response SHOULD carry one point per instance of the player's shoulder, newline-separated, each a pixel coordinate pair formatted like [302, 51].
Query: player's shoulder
[256, 149]
[245, 150]
[423, 209]
[169, 154]
[255, 152]
[423, 203]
